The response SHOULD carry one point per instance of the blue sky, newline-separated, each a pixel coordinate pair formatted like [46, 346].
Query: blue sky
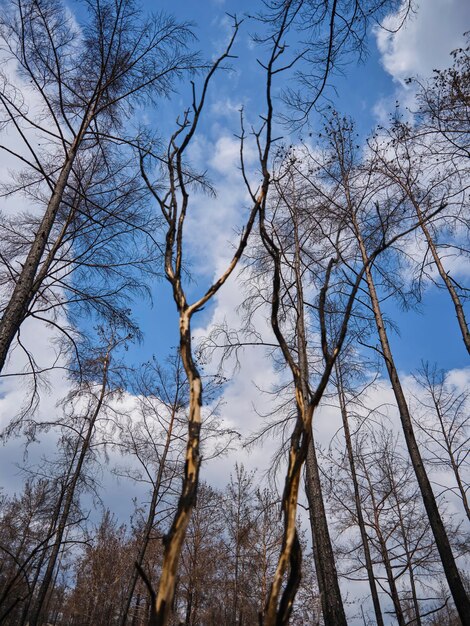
[366, 91]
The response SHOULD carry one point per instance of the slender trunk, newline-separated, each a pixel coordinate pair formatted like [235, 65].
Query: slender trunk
[357, 501]
[462, 602]
[187, 500]
[459, 311]
[414, 595]
[34, 618]
[328, 585]
[408, 551]
[384, 552]
[26, 284]
[150, 518]
[453, 462]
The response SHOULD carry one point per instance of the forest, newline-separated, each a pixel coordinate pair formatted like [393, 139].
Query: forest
[220, 287]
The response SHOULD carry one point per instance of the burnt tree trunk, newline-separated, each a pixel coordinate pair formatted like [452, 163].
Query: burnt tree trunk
[457, 589]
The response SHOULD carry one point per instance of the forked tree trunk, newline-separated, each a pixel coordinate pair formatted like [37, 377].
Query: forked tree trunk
[457, 589]
[187, 500]
[301, 451]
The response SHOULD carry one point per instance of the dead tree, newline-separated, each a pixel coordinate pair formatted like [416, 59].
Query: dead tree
[174, 203]
[81, 450]
[408, 162]
[443, 420]
[343, 405]
[342, 142]
[86, 87]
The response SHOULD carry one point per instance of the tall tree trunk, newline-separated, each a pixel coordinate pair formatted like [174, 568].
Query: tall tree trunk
[462, 601]
[34, 618]
[302, 451]
[26, 283]
[408, 551]
[330, 594]
[459, 311]
[187, 500]
[357, 499]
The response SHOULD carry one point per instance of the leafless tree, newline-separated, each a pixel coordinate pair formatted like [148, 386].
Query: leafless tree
[442, 417]
[174, 202]
[86, 83]
[409, 164]
[343, 405]
[343, 145]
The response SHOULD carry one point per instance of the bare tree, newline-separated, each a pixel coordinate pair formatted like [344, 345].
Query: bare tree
[444, 420]
[408, 162]
[81, 450]
[154, 442]
[343, 405]
[23, 540]
[342, 144]
[153, 434]
[86, 85]
[174, 204]
[305, 236]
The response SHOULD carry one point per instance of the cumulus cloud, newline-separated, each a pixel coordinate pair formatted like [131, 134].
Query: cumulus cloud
[421, 45]
[426, 39]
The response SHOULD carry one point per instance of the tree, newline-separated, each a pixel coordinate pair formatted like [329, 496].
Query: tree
[154, 442]
[173, 199]
[96, 396]
[202, 593]
[443, 420]
[22, 543]
[342, 143]
[343, 405]
[101, 570]
[305, 235]
[409, 164]
[153, 435]
[86, 86]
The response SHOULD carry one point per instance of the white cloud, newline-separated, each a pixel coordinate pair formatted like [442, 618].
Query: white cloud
[426, 39]
[421, 45]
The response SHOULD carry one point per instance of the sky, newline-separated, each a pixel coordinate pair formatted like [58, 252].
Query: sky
[367, 92]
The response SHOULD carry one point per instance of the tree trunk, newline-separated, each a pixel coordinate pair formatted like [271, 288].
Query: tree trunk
[150, 519]
[330, 594]
[187, 500]
[357, 500]
[444, 275]
[34, 618]
[384, 553]
[25, 288]
[462, 602]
